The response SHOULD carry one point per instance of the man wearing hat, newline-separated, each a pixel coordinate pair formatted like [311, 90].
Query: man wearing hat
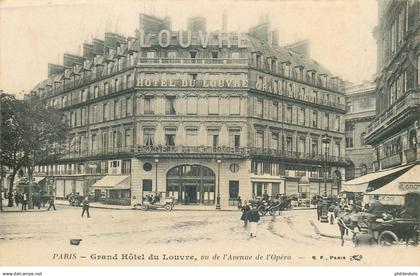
[344, 222]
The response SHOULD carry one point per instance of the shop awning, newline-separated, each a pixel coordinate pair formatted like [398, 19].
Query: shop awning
[360, 184]
[24, 180]
[113, 182]
[409, 182]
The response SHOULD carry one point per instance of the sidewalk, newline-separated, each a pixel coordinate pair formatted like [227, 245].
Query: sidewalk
[325, 229]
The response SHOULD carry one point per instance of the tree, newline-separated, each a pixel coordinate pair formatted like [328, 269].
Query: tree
[35, 133]
[12, 154]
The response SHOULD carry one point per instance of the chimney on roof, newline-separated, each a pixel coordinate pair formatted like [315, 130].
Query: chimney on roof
[98, 46]
[69, 60]
[54, 69]
[275, 38]
[224, 21]
[263, 30]
[196, 24]
[88, 51]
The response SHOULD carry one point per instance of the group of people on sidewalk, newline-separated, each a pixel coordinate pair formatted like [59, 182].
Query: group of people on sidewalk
[250, 216]
[23, 200]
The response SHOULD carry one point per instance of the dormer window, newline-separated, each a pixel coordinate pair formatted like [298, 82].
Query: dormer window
[286, 69]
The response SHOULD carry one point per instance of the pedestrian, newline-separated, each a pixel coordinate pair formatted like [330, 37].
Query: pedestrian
[344, 223]
[24, 201]
[17, 198]
[253, 218]
[51, 204]
[330, 213]
[245, 210]
[85, 206]
[239, 202]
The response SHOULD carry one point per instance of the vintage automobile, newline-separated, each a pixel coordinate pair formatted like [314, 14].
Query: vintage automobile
[156, 202]
[387, 232]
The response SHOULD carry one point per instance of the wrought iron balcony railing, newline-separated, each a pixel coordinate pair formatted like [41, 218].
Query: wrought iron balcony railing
[194, 61]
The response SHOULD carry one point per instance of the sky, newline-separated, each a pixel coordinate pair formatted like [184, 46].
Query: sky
[37, 32]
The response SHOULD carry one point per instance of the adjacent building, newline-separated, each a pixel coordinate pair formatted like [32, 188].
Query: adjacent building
[360, 102]
[204, 117]
[395, 130]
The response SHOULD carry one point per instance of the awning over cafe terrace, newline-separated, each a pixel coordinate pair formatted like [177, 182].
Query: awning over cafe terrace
[113, 182]
[409, 182]
[360, 184]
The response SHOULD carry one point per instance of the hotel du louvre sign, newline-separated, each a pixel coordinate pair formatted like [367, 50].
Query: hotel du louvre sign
[186, 81]
[185, 39]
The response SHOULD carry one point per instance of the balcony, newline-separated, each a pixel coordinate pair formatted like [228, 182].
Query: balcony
[193, 61]
[411, 100]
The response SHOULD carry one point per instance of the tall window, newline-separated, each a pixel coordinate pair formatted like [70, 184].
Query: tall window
[116, 85]
[259, 139]
[314, 147]
[289, 143]
[302, 145]
[148, 105]
[337, 123]
[148, 136]
[362, 138]
[274, 141]
[275, 111]
[105, 112]
[259, 108]
[289, 114]
[170, 105]
[213, 105]
[315, 119]
[170, 137]
[129, 106]
[235, 138]
[191, 137]
[106, 88]
[326, 120]
[94, 143]
[302, 116]
[128, 138]
[213, 137]
[105, 141]
[95, 92]
[117, 109]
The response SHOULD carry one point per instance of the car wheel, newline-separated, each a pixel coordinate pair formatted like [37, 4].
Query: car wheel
[387, 238]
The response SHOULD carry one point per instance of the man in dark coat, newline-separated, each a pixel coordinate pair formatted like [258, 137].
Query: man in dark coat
[85, 206]
[253, 218]
[51, 203]
[245, 210]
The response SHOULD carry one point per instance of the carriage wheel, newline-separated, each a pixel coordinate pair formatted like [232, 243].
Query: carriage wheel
[143, 207]
[262, 210]
[168, 207]
[273, 211]
[387, 238]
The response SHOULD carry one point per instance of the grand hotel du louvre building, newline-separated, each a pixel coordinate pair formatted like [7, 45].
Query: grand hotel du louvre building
[195, 115]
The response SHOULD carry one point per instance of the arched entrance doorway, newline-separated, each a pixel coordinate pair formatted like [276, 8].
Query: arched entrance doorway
[191, 184]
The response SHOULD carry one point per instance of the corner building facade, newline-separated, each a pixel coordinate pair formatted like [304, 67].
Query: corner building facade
[194, 115]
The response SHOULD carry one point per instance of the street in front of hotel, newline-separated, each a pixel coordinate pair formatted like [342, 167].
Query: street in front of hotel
[123, 237]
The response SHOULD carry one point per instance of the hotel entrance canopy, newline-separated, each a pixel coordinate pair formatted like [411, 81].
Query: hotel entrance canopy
[113, 182]
[360, 184]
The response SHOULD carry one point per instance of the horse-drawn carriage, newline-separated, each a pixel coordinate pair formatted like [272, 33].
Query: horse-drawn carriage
[271, 206]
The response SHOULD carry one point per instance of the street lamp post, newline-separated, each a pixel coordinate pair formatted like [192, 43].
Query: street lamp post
[326, 139]
[156, 174]
[218, 185]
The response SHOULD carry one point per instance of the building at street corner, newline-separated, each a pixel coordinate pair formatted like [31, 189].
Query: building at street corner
[196, 115]
[395, 132]
[360, 102]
